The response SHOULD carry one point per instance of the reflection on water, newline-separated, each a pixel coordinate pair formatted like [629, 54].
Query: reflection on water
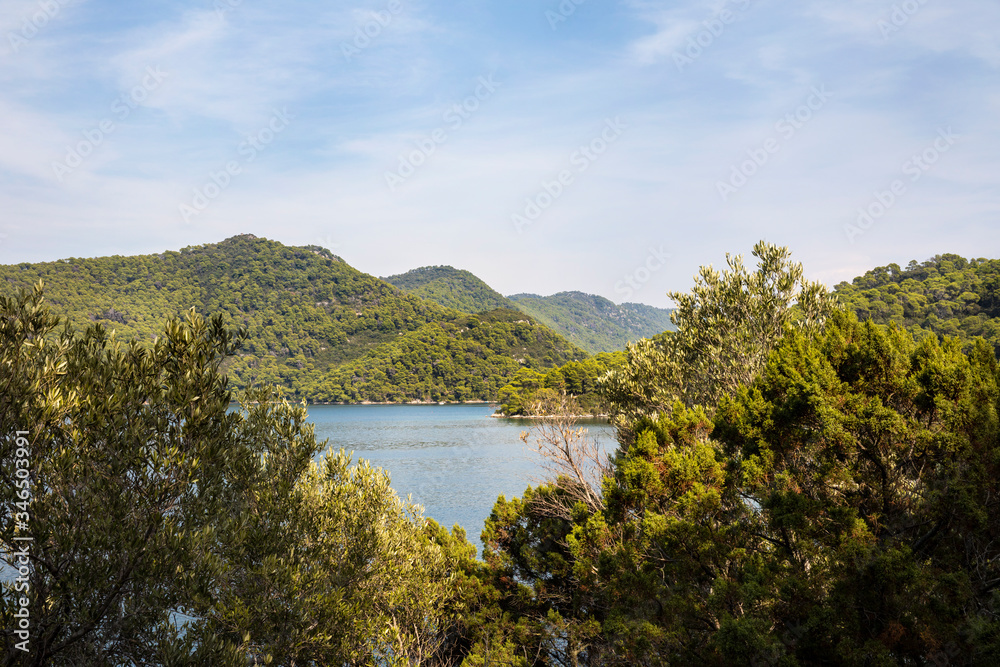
[452, 459]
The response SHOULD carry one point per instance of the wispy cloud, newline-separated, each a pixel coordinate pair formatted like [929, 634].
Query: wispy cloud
[356, 111]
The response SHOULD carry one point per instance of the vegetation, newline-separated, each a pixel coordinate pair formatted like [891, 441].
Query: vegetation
[125, 451]
[588, 321]
[792, 486]
[528, 389]
[833, 505]
[451, 288]
[727, 327]
[946, 295]
[466, 359]
[317, 328]
[167, 529]
[593, 322]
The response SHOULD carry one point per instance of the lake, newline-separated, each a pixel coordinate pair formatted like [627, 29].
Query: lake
[455, 460]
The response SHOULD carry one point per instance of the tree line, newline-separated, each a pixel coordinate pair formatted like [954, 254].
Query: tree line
[946, 295]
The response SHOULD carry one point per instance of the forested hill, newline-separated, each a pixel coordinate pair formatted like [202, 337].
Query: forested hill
[318, 328]
[594, 323]
[450, 287]
[946, 294]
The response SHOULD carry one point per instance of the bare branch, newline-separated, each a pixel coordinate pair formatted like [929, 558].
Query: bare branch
[573, 461]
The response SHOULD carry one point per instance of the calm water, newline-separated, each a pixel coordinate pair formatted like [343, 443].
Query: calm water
[452, 459]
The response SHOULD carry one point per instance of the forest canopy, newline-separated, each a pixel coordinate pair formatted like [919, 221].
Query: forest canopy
[318, 329]
[946, 295]
[834, 503]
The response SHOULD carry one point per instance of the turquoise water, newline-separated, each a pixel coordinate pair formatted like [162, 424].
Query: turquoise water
[452, 459]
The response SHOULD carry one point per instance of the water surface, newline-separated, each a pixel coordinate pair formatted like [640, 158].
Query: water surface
[455, 460]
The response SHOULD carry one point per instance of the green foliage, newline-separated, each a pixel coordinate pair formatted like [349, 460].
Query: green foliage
[351, 577]
[633, 583]
[317, 328]
[588, 321]
[578, 379]
[593, 322]
[726, 328]
[482, 630]
[167, 529]
[451, 288]
[839, 509]
[526, 547]
[946, 296]
[793, 486]
[467, 359]
[128, 459]
[874, 461]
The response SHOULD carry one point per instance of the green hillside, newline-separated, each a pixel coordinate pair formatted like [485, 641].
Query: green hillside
[318, 328]
[579, 379]
[466, 358]
[451, 288]
[945, 295]
[592, 322]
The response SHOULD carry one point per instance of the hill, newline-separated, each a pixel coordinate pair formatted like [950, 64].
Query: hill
[588, 321]
[318, 328]
[451, 288]
[592, 322]
[945, 295]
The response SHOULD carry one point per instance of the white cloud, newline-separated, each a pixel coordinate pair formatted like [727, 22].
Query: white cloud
[962, 26]
[22, 21]
[670, 36]
[323, 178]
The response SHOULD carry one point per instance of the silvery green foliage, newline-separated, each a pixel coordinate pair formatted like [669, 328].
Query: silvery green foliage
[168, 529]
[727, 326]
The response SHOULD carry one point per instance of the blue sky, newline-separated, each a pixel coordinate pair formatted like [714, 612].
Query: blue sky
[609, 147]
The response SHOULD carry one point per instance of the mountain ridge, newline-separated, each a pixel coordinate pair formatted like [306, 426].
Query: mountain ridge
[450, 287]
[318, 328]
[593, 322]
[589, 321]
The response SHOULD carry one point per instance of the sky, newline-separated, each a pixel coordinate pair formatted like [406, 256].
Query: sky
[544, 145]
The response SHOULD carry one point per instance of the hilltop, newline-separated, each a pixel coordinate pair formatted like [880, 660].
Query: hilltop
[944, 295]
[318, 328]
[450, 287]
[592, 322]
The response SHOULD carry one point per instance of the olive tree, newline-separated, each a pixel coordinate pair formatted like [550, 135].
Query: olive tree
[727, 325]
[164, 527]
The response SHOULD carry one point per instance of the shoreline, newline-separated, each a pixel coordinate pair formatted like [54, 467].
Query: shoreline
[499, 416]
[311, 403]
[494, 415]
[413, 403]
